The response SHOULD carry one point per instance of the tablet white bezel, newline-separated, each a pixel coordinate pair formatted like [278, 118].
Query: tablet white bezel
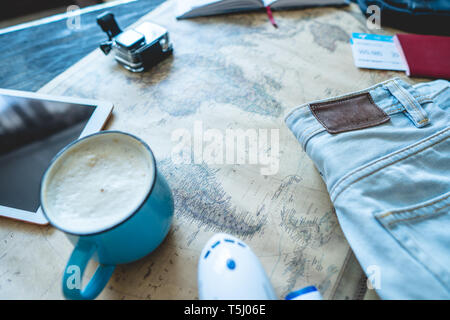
[96, 122]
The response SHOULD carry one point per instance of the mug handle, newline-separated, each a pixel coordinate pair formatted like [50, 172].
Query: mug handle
[73, 273]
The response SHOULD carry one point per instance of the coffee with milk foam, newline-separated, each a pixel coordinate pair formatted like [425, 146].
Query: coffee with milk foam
[97, 183]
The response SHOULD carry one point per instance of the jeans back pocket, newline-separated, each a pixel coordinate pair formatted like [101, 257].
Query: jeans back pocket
[424, 231]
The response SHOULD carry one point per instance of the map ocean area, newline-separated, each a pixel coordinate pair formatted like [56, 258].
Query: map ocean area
[196, 8]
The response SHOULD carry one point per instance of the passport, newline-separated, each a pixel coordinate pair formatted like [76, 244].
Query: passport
[425, 55]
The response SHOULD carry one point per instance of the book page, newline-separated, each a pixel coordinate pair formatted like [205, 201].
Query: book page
[280, 4]
[268, 2]
[185, 6]
[194, 8]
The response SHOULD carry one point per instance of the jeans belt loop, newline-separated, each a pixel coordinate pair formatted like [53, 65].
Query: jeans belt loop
[415, 112]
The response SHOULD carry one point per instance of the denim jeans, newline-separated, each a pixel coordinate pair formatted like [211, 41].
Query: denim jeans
[390, 185]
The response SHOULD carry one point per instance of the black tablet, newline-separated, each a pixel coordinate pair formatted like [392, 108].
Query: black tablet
[33, 128]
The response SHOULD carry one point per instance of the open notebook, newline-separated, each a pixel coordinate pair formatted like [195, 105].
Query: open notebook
[195, 8]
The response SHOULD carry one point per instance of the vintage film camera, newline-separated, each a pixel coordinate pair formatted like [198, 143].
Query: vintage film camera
[136, 49]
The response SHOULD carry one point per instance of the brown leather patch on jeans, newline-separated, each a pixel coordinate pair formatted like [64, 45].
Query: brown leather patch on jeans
[347, 114]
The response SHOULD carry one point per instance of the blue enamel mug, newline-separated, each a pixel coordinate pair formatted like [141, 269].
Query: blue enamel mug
[133, 236]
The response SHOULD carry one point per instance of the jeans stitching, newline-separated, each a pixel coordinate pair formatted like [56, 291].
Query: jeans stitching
[310, 127]
[386, 157]
[413, 248]
[412, 103]
[420, 99]
[389, 112]
[351, 174]
[301, 113]
[440, 92]
[378, 169]
[309, 136]
[321, 128]
[394, 212]
[368, 89]
[341, 96]
[395, 111]
[419, 216]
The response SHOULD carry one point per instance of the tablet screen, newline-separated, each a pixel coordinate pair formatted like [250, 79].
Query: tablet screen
[32, 131]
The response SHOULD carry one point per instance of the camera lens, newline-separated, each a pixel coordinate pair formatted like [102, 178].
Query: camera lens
[164, 42]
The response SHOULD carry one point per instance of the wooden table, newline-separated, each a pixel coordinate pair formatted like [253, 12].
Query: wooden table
[227, 72]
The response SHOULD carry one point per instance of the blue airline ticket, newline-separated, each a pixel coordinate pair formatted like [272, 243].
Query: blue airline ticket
[375, 51]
